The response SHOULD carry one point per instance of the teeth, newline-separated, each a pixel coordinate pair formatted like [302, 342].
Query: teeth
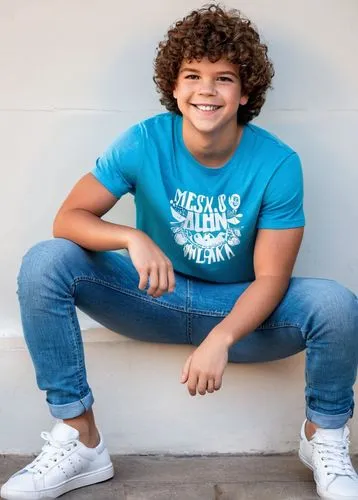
[207, 108]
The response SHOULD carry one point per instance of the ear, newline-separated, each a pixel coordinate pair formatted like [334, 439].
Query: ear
[175, 92]
[244, 100]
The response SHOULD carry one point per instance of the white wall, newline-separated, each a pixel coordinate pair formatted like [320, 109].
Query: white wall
[74, 74]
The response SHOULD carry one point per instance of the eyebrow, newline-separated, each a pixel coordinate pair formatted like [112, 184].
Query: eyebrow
[217, 73]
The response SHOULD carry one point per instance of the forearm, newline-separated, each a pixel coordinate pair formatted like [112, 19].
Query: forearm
[90, 231]
[252, 308]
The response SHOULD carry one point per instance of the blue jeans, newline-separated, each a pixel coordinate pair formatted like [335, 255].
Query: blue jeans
[57, 276]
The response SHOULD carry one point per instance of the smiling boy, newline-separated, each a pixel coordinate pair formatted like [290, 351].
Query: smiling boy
[208, 95]
[219, 204]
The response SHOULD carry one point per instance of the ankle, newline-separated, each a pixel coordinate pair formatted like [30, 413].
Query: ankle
[86, 426]
[89, 437]
[91, 440]
[310, 429]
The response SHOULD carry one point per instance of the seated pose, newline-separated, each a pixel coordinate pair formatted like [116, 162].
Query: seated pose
[219, 222]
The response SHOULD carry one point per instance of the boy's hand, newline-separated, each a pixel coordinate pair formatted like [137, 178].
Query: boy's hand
[151, 263]
[204, 368]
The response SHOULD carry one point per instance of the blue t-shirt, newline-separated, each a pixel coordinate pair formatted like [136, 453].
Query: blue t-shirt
[204, 219]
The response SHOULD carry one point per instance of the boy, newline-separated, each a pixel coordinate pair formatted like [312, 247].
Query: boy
[219, 225]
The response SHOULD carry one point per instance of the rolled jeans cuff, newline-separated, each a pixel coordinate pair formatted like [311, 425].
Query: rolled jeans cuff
[72, 410]
[328, 421]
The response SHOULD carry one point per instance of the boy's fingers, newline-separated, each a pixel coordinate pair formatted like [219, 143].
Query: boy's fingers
[217, 383]
[192, 383]
[211, 385]
[143, 279]
[166, 280]
[202, 384]
[185, 371]
[163, 280]
[171, 279]
[153, 281]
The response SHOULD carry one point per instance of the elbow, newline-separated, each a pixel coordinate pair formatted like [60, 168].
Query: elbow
[56, 227]
[55, 232]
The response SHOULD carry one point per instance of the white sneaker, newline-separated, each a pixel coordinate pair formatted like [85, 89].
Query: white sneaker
[327, 454]
[64, 464]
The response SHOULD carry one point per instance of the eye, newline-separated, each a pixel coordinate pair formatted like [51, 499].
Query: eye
[225, 79]
[191, 77]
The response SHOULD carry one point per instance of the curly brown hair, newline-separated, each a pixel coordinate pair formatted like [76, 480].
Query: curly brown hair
[215, 33]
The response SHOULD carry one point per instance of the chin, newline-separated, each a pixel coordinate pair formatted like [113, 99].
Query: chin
[207, 130]
[208, 127]
[203, 125]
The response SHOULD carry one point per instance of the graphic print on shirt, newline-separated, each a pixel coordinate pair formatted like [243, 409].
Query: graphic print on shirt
[207, 227]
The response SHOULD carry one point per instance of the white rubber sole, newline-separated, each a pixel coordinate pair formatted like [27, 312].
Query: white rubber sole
[76, 482]
[304, 461]
[323, 494]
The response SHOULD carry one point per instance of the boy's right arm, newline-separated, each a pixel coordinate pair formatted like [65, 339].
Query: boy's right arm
[79, 217]
[79, 220]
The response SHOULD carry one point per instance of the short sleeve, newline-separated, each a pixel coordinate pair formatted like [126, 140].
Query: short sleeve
[282, 205]
[117, 168]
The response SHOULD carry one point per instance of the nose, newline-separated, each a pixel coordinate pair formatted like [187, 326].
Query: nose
[207, 87]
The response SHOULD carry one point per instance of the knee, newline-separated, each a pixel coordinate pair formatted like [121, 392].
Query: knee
[334, 307]
[336, 301]
[43, 259]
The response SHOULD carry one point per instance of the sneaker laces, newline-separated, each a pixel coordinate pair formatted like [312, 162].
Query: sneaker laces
[52, 452]
[335, 455]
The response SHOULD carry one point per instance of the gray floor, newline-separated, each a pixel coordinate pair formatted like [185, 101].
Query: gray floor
[194, 478]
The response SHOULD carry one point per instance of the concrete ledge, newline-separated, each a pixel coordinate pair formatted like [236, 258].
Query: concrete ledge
[142, 408]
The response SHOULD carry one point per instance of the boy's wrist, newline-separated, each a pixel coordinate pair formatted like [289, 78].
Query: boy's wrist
[223, 336]
[126, 234]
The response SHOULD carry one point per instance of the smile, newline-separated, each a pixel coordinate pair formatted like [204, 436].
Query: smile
[205, 107]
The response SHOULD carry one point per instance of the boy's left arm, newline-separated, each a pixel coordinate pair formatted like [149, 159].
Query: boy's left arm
[274, 257]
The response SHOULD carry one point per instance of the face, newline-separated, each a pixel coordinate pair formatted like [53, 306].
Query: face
[209, 95]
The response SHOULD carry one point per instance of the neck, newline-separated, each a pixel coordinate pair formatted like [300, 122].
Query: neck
[212, 149]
